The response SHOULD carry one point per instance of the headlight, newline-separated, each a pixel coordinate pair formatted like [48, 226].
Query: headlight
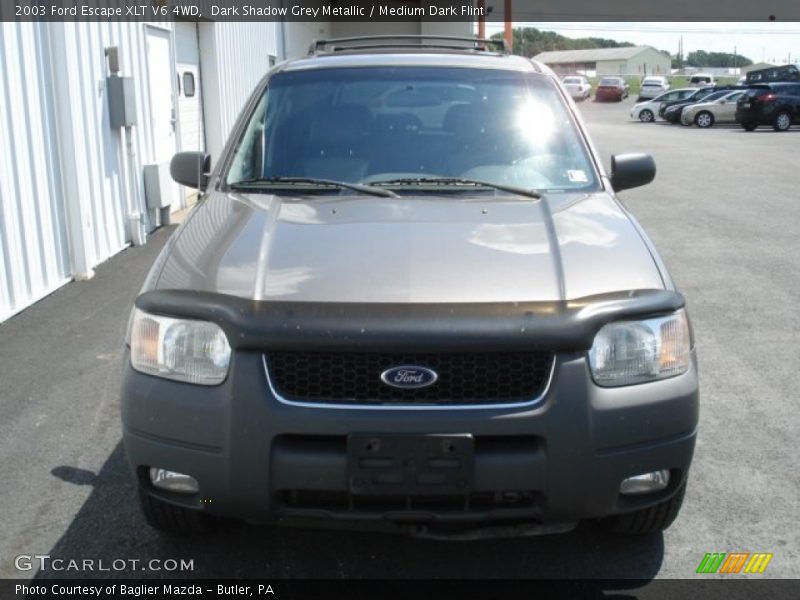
[630, 352]
[179, 349]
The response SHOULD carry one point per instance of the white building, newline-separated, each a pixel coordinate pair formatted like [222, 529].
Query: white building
[72, 186]
[628, 61]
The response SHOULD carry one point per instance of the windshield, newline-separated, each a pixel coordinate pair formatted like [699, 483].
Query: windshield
[609, 82]
[572, 80]
[700, 79]
[379, 124]
[716, 96]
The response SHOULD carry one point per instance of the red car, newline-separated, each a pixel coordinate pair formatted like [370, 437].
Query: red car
[611, 88]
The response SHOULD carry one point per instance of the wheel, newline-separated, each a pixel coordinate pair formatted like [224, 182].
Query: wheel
[783, 121]
[749, 126]
[647, 116]
[647, 520]
[704, 119]
[172, 519]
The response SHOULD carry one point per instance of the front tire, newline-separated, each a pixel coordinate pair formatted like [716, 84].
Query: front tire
[782, 122]
[171, 519]
[652, 519]
[704, 119]
[647, 116]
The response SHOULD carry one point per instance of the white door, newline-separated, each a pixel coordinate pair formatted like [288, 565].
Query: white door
[190, 104]
[162, 106]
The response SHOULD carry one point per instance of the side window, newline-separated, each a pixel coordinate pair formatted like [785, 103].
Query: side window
[188, 84]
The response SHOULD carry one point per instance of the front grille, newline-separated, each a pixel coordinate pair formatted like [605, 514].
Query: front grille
[355, 377]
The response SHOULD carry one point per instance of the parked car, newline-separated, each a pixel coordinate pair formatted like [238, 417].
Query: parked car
[578, 87]
[697, 95]
[711, 111]
[653, 86]
[776, 104]
[611, 88]
[647, 111]
[702, 80]
[452, 330]
[673, 112]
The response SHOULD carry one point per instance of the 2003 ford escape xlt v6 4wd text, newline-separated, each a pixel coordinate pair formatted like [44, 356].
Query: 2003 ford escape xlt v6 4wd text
[410, 297]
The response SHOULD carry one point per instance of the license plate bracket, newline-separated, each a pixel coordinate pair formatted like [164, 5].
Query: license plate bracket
[407, 465]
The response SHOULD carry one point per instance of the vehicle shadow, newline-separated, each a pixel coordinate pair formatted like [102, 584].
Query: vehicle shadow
[109, 527]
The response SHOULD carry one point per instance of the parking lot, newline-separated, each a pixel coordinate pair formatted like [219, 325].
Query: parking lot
[722, 211]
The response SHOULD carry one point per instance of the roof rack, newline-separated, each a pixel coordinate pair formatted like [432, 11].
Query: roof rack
[372, 42]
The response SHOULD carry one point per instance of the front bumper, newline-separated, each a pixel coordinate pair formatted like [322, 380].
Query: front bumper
[554, 462]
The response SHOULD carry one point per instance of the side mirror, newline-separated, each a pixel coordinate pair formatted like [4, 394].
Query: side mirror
[631, 170]
[191, 169]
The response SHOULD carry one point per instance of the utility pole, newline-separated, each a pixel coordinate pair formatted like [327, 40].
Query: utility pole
[508, 32]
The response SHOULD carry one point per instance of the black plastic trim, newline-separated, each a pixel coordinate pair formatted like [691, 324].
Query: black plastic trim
[276, 325]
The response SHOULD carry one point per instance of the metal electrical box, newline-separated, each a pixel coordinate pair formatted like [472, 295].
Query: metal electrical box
[121, 101]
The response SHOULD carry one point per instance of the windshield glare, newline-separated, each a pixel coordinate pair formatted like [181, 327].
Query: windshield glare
[367, 125]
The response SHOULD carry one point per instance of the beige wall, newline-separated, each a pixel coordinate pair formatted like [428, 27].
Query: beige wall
[655, 62]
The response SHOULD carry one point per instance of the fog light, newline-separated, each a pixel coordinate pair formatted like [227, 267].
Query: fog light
[645, 483]
[173, 482]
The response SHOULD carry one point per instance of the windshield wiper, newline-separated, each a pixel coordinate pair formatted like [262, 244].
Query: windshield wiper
[460, 181]
[269, 181]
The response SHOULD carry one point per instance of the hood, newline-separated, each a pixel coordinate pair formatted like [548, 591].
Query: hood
[409, 249]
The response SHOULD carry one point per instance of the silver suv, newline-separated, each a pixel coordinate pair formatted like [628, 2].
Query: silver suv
[409, 297]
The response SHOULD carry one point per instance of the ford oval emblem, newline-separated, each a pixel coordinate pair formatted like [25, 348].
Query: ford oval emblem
[409, 377]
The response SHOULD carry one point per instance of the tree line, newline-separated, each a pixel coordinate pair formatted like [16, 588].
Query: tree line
[529, 41]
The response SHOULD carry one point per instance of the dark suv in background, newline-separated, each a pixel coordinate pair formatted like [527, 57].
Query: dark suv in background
[776, 104]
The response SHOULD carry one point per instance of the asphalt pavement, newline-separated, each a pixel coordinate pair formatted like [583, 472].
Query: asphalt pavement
[723, 212]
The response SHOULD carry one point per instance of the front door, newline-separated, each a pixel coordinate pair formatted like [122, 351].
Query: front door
[162, 106]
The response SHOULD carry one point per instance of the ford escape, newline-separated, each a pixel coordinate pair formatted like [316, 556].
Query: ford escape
[410, 298]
